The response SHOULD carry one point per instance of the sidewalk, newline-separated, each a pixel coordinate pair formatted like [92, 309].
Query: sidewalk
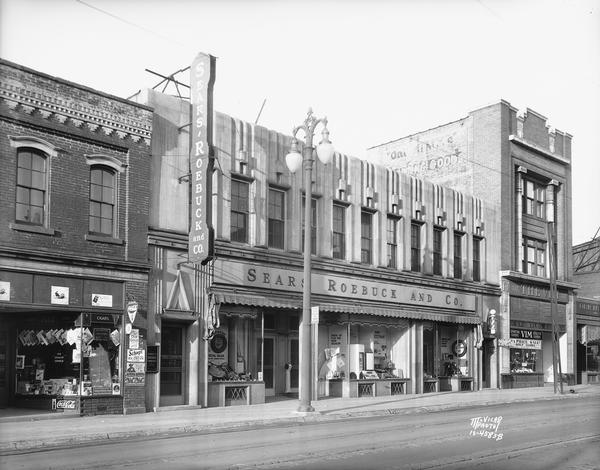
[34, 432]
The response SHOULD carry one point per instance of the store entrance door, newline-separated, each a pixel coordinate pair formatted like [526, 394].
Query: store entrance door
[172, 365]
[294, 355]
[268, 365]
[4, 365]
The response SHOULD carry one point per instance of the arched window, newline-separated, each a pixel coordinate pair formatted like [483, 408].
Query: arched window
[102, 200]
[31, 195]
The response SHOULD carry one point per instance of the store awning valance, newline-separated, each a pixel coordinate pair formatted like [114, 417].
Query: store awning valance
[590, 334]
[256, 300]
[400, 313]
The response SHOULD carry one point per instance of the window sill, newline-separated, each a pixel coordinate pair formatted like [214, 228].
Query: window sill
[104, 239]
[32, 229]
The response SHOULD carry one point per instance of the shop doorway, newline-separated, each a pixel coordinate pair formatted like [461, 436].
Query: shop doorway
[294, 360]
[268, 365]
[5, 362]
[172, 365]
[488, 350]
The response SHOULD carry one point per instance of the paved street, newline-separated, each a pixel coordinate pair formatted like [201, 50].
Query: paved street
[562, 434]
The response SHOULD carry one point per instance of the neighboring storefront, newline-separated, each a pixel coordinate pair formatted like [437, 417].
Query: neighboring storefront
[526, 338]
[64, 343]
[588, 340]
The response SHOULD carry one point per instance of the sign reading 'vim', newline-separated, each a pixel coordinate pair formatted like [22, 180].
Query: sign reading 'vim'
[201, 159]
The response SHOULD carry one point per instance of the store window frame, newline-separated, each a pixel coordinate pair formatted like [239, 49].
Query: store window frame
[366, 237]
[534, 198]
[437, 251]
[276, 218]
[415, 246]
[103, 197]
[240, 210]
[392, 223]
[458, 238]
[535, 257]
[477, 243]
[338, 244]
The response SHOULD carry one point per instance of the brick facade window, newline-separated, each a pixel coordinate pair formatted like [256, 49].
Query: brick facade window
[415, 247]
[239, 211]
[458, 239]
[437, 250]
[366, 236]
[392, 242]
[534, 257]
[534, 199]
[31, 186]
[313, 225]
[339, 232]
[276, 218]
[102, 200]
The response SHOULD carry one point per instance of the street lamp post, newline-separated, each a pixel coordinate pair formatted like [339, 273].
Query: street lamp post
[293, 160]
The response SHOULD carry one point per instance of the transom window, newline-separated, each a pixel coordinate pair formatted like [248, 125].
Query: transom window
[31, 186]
[392, 241]
[534, 199]
[239, 211]
[276, 218]
[339, 232]
[534, 257]
[102, 200]
[366, 235]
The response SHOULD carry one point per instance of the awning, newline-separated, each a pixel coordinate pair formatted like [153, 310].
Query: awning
[590, 334]
[294, 301]
[401, 312]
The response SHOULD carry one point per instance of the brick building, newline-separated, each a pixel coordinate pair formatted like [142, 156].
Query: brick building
[391, 296]
[74, 204]
[521, 167]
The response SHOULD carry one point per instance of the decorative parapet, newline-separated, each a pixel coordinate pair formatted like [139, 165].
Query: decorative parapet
[61, 110]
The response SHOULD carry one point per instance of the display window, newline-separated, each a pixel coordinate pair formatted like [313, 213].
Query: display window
[454, 350]
[593, 358]
[69, 355]
[525, 361]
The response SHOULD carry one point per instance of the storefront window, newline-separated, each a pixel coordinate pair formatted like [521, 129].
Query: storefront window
[525, 360]
[61, 355]
[593, 358]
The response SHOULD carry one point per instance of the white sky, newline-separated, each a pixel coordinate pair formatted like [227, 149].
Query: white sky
[378, 69]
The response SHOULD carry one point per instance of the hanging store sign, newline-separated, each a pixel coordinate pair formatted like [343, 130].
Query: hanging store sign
[521, 343]
[201, 234]
[525, 334]
[253, 275]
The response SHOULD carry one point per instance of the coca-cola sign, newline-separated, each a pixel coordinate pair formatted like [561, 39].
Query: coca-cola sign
[65, 404]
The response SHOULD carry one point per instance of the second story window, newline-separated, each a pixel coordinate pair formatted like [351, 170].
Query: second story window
[313, 225]
[276, 218]
[534, 257]
[339, 232]
[102, 200]
[476, 259]
[437, 250]
[366, 235]
[415, 247]
[534, 199]
[239, 211]
[31, 187]
[458, 238]
[392, 242]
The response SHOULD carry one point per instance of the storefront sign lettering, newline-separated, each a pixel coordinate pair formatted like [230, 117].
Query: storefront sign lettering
[525, 334]
[201, 80]
[520, 343]
[331, 285]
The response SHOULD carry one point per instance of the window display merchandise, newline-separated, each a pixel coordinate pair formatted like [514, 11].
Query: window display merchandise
[68, 355]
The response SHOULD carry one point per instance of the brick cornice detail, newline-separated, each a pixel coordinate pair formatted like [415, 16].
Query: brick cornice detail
[72, 114]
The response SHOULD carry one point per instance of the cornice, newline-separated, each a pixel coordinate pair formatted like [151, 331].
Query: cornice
[538, 149]
[72, 114]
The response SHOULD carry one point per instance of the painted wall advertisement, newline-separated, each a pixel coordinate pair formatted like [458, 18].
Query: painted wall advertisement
[218, 346]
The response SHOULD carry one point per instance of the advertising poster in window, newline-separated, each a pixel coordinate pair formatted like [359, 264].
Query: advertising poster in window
[379, 344]
[135, 372]
[218, 346]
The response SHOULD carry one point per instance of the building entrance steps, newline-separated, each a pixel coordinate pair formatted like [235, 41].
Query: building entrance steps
[28, 432]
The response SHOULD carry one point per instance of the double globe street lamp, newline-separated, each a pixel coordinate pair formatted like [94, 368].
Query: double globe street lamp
[294, 160]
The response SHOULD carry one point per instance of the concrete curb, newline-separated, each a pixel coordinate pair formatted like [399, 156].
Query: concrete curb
[157, 431]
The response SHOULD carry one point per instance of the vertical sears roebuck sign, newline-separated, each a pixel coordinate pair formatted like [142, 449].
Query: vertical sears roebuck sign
[201, 159]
